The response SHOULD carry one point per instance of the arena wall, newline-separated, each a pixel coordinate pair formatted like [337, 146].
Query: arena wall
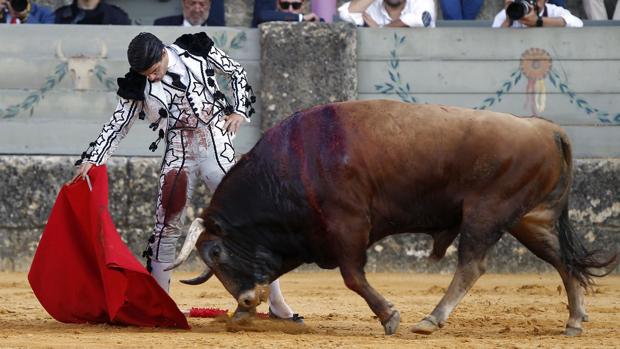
[57, 89]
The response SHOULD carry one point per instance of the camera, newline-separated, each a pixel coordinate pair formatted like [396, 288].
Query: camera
[520, 8]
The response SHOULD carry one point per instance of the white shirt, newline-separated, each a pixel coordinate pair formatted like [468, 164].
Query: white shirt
[181, 114]
[188, 24]
[552, 11]
[417, 13]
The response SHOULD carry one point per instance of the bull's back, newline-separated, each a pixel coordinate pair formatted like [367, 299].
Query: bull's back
[393, 155]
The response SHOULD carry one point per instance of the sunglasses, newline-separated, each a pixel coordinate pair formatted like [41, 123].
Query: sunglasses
[286, 4]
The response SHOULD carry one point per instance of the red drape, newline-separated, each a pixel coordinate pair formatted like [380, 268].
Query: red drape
[83, 272]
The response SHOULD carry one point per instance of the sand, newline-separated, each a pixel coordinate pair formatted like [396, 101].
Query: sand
[502, 311]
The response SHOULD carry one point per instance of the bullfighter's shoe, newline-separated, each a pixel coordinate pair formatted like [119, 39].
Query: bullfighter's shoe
[296, 318]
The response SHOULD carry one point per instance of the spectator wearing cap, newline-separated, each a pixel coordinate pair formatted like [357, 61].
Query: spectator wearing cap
[197, 13]
[24, 11]
[389, 13]
[281, 10]
[91, 12]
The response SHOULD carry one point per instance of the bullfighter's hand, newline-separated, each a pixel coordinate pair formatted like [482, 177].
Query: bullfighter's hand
[82, 171]
[233, 122]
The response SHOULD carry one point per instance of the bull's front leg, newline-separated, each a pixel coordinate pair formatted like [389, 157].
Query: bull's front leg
[355, 279]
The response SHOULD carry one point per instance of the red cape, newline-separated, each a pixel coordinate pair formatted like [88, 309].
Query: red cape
[83, 272]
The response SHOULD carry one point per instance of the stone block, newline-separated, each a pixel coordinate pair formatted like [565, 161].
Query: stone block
[305, 64]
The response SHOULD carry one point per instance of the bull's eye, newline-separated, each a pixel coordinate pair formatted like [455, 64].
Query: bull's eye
[215, 252]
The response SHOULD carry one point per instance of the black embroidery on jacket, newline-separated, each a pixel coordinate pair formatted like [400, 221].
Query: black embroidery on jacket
[197, 44]
[132, 86]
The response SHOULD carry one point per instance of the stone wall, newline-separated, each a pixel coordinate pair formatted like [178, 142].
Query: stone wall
[29, 185]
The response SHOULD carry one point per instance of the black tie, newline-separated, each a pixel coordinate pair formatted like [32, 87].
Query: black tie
[176, 80]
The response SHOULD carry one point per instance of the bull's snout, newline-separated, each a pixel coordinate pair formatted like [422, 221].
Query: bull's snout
[248, 299]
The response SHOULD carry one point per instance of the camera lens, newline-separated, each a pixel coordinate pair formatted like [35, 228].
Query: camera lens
[517, 10]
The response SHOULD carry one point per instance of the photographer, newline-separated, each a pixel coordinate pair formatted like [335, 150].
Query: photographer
[24, 11]
[534, 13]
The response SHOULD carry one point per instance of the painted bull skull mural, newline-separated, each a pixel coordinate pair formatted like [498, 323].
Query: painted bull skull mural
[81, 67]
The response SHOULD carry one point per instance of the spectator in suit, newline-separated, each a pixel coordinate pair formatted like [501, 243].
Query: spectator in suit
[281, 10]
[389, 13]
[197, 13]
[91, 12]
[24, 11]
[596, 10]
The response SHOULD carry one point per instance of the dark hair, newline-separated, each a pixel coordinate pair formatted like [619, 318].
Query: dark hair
[144, 50]
[19, 5]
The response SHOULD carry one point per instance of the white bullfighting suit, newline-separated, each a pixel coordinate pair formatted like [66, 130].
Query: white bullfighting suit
[186, 110]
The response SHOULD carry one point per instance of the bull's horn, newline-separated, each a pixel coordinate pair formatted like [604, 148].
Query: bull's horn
[195, 230]
[202, 278]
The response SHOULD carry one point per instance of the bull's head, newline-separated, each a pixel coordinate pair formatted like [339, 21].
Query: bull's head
[245, 269]
[81, 67]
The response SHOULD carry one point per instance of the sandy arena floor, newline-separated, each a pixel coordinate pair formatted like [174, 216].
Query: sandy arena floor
[502, 311]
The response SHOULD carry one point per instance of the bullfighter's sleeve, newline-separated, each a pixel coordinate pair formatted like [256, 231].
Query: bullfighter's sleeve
[241, 89]
[112, 133]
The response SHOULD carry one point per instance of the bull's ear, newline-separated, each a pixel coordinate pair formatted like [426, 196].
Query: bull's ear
[212, 227]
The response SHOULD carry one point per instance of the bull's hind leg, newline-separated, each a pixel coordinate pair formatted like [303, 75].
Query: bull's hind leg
[474, 243]
[538, 233]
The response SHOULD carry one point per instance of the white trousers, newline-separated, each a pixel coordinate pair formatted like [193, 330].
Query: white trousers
[204, 153]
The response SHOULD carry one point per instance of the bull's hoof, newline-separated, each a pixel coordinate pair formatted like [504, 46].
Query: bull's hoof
[427, 326]
[572, 331]
[242, 317]
[391, 325]
[585, 318]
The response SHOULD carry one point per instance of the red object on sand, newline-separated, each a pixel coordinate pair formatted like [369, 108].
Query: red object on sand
[207, 312]
[215, 312]
[83, 272]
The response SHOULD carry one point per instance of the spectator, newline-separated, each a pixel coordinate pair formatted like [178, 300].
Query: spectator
[197, 13]
[24, 11]
[281, 10]
[596, 10]
[561, 3]
[541, 14]
[460, 9]
[389, 13]
[91, 12]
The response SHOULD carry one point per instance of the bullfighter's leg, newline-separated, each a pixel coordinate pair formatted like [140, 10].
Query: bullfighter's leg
[217, 157]
[177, 178]
[474, 243]
[537, 232]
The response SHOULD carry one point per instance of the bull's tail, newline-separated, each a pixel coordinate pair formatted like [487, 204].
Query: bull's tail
[580, 262]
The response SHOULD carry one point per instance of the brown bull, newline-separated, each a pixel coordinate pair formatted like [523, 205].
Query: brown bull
[326, 183]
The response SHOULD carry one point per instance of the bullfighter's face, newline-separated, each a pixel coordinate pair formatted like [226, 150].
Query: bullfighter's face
[243, 273]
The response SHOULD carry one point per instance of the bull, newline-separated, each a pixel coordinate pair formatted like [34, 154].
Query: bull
[326, 183]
